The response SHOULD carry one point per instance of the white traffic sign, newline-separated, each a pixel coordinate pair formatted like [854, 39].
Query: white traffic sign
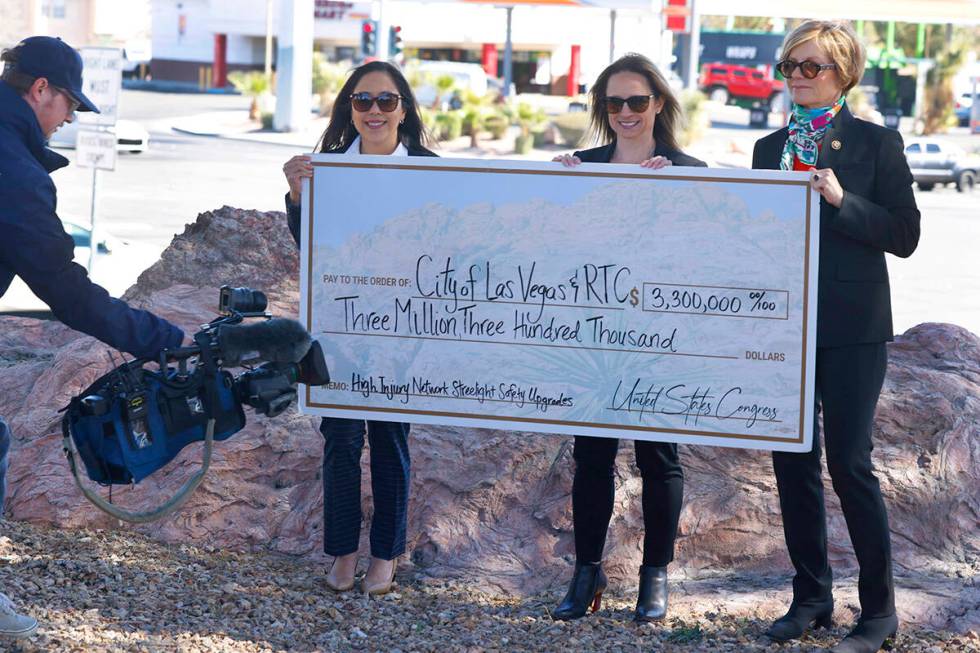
[96, 149]
[101, 82]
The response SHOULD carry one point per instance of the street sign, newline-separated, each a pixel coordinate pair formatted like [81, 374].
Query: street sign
[101, 81]
[95, 149]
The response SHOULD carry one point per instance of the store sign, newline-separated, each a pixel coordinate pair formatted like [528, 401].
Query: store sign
[101, 83]
[340, 10]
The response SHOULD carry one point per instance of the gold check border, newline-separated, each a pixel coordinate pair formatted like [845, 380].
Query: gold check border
[804, 186]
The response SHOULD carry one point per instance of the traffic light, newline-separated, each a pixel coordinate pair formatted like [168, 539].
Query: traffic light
[395, 45]
[369, 38]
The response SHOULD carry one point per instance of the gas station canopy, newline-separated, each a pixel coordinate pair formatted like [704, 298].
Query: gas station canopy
[961, 12]
[595, 4]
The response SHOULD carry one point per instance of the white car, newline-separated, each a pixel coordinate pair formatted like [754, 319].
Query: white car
[467, 76]
[116, 266]
[130, 136]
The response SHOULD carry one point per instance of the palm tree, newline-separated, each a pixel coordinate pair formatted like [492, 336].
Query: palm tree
[251, 84]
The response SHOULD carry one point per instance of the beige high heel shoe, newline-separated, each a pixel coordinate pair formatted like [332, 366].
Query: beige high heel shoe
[340, 587]
[383, 587]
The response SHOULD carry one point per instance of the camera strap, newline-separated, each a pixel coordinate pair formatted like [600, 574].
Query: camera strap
[172, 504]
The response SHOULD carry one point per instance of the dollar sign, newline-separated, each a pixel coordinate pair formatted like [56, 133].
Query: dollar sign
[634, 296]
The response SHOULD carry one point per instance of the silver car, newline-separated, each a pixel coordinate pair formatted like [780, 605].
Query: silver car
[936, 162]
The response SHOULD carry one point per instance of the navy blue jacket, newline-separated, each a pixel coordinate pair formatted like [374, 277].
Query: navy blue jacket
[35, 247]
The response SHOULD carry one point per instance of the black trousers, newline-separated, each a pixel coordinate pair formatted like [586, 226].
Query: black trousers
[390, 469]
[594, 490]
[848, 382]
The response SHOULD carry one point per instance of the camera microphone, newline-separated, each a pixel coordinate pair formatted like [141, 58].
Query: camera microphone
[279, 340]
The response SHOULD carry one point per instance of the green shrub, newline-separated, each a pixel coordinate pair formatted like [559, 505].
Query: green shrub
[267, 119]
[327, 80]
[449, 125]
[497, 125]
[572, 127]
[472, 121]
[523, 144]
[695, 118]
[251, 84]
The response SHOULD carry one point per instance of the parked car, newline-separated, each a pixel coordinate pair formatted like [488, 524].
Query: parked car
[935, 162]
[467, 76]
[116, 266]
[130, 136]
[964, 105]
[730, 83]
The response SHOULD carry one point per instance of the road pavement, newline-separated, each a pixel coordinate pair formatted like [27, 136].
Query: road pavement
[152, 195]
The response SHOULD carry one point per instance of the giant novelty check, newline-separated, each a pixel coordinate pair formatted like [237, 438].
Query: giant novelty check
[676, 305]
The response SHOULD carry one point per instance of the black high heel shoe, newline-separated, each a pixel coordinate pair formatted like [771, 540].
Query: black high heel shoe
[870, 636]
[588, 584]
[801, 617]
[651, 602]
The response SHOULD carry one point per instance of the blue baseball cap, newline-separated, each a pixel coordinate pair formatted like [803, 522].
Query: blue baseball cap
[56, 61]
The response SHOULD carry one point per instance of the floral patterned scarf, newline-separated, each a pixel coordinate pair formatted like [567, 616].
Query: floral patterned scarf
[806, 130]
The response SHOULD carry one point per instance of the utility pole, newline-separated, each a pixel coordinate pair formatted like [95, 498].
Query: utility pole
[294, 78]
[382, 37]
[694, 55]
[508, 53]
[268, 39]
[612, 35]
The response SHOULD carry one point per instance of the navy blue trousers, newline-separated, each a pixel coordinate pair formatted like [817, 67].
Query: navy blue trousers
[4, 451]
[390, 469]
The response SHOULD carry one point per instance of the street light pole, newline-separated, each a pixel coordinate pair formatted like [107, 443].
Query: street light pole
[508, 54]
[612, 35]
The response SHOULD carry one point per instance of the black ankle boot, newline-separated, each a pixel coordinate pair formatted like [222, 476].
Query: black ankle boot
[651, 602]
[799, 618]
[870, 636]
[588, 584]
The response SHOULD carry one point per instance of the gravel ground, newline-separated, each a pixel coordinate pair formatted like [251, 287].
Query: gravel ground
[119, 591]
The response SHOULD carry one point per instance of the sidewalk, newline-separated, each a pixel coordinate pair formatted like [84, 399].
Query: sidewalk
[235, 125]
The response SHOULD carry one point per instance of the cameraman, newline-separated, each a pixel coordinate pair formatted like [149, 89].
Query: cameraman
[40, 90]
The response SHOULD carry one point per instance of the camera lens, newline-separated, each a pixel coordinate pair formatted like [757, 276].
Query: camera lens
[241, 300]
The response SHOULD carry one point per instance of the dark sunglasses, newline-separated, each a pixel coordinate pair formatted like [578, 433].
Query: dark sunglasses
[638, 103]
[387, 102]
[809, 69]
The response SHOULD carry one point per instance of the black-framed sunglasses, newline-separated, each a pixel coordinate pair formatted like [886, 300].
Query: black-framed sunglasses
[637, 103]
[809, 69]
[387, 102]
[73, 104]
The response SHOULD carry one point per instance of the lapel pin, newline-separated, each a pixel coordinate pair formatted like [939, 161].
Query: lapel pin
[835, 144]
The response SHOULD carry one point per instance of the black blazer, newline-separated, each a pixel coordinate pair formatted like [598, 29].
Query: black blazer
[877, 215]
[293, 210]
[603, 154]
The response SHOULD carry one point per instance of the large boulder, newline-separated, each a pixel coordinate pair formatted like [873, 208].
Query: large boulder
[493, 507]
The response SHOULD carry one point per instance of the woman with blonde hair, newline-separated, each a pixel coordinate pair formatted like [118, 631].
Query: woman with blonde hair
[866, 209]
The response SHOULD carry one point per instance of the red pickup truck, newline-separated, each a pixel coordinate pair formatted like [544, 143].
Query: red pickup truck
[730, 83]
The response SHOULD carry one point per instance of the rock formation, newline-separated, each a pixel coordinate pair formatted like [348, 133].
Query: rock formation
[493, 507]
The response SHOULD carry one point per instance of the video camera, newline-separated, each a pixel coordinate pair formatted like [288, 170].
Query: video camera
[135, 419]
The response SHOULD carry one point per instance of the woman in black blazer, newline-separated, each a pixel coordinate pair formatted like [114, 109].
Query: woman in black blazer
[635, 113]
[866, 209]
[375, 113]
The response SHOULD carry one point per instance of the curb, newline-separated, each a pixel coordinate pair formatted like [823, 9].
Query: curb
[233, 137]
[167, 86]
